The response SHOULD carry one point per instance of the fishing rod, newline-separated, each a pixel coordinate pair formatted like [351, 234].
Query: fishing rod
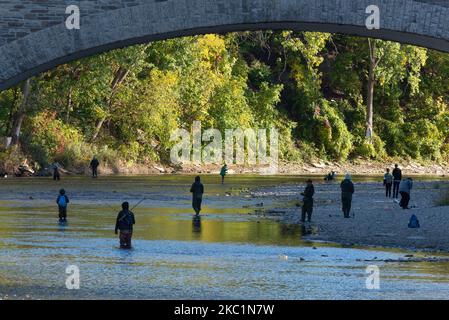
[138, 203]
[110, 207]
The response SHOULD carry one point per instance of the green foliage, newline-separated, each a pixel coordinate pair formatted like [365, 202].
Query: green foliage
[331, 131]
[123, 105]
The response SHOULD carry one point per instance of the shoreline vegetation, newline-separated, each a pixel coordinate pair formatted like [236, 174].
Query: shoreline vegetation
[328, 96]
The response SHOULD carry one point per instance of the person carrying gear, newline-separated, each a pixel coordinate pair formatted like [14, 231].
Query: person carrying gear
[125, 222]
[62, 202]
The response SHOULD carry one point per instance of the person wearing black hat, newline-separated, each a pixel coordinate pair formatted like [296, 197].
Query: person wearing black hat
[125, 222]
[94, 167]
[197, 191]
[397, 178]
[307, 206]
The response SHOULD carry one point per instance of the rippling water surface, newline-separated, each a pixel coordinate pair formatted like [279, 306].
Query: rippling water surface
[228, 254]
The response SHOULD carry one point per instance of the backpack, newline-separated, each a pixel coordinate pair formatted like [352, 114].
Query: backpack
[127, 219]
[62, 202]
[414, 222]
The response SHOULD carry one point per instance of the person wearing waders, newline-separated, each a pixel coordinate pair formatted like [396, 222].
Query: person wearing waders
[62, 202]
[125, 222]
[223, 172]
[388, 182]
[94, 166]
[397, 177]
[56, 166]
[347, 190]
[404, 189]
[197, 191]
[307, 205]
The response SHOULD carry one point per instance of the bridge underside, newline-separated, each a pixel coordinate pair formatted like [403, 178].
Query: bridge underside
[421, 23]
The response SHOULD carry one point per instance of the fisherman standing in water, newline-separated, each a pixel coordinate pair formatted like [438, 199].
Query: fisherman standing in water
[94, 166]
[197, 191]
[56, 166]
[125, 222]
[62, 202]
[347, 190]
[223, 172]
[307, 206]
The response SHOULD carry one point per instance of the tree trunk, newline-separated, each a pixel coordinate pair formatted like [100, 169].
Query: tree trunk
[119, 77]
[69, 106]
[11, 113]
[98, 128]
[20, 114]
[370, 93]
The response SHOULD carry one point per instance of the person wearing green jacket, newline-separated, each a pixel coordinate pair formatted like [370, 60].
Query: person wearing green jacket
[223, 172]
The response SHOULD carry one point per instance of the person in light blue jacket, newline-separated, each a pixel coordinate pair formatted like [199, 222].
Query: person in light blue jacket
[405, 189]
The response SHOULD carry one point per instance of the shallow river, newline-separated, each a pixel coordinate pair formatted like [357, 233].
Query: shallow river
[229, 254]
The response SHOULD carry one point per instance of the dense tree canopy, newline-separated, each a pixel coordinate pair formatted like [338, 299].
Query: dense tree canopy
[314, 87]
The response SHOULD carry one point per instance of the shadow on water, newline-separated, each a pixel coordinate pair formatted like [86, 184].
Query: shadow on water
[196, 224]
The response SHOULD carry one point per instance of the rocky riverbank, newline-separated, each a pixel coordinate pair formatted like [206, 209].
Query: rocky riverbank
[356, 167]
[375, 219]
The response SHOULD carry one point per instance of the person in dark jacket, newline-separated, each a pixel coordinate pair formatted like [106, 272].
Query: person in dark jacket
[94, 166]
[347, 190]
[397, 177]
[56, 166]
[62, 202]
[223, 172]
[125, 222]
[197, 191]
[307, 206]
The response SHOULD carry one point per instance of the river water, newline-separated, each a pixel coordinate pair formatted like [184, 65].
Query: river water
[230, 253]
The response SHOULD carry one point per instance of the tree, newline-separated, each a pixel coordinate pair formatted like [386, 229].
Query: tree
[19, 115]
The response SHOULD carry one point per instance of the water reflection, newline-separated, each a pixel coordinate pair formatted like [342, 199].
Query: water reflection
[196, 224]
[307, 230]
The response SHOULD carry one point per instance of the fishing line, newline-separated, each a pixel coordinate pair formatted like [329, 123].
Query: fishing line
[138, 203]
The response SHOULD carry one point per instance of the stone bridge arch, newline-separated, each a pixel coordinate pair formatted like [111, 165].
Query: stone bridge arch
[34, 37]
